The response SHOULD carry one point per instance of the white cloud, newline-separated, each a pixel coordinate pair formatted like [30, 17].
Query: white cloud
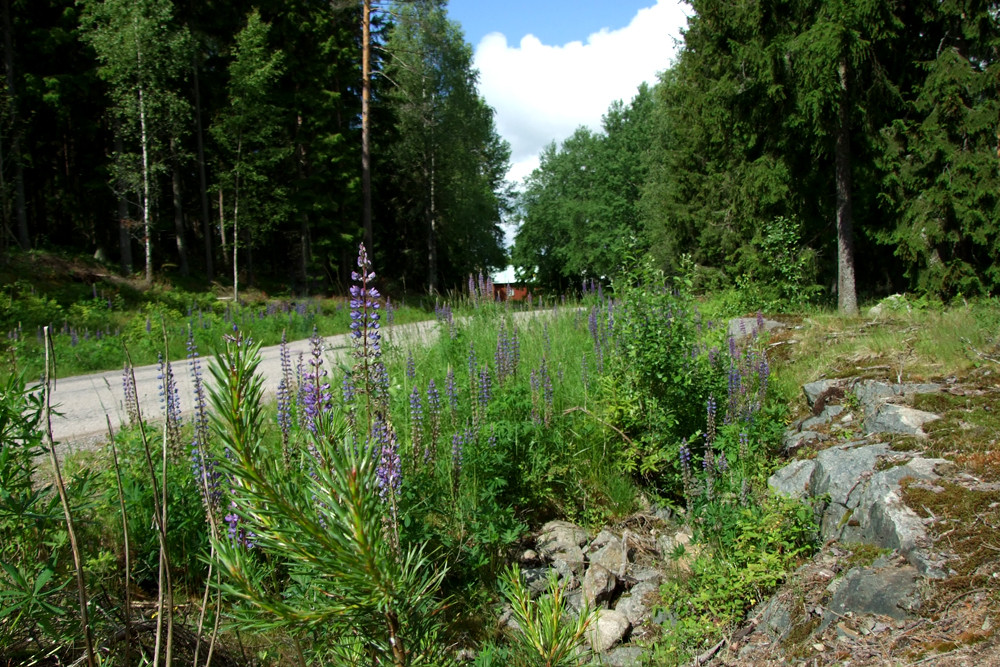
[542, 93]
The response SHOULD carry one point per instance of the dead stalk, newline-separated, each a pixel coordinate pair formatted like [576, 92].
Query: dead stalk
[159, 511]
[128, 567]
[61, 487]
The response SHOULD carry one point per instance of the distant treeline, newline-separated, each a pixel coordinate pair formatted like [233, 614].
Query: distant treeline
[794, 144]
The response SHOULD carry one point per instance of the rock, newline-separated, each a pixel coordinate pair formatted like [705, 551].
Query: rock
[776, 619]
[840, 472]
[624, 656]
[886, 521]
[813, 390]
[647, 574]
[611, 556]
[529, 557]
[561, 539]
[636, 604]
[892, 303]
[792, 440]
[599, 585]
[607, 629]
[887, 591]
[793, 480]
[825, 417]
[568, 572]
[741, 327]
[536, 580]
[666, 544]
[891, 418]
[602, 538]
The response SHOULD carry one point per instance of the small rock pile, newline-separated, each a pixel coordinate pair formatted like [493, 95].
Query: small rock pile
[617, 574]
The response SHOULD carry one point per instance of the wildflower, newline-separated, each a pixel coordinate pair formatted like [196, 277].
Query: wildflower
[285, 393]
[416, 420]
[201, 462]
[434, 410]
[170, 402]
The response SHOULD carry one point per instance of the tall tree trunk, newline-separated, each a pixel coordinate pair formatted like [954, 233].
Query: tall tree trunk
[236, 222]
[147, 222]
[175, 183]
[432, 255]
[847, 299]
[222, 231]
[366, 93]
[206, 228]
[124, 220]
[20, 208]
[305, 249]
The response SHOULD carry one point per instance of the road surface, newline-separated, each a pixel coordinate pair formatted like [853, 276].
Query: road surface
[84, 400]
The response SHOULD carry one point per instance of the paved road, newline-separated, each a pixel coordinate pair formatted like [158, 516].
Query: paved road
[84, 400]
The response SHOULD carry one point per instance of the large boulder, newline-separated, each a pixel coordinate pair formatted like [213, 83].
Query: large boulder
[607, 629]
[599, 585]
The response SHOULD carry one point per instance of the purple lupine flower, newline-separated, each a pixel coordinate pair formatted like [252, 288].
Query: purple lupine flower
[131, 399]
[385, 447]
[485, 383]
[458, 442]
[451, 390]
[285, 392]
[492, 441]
[416, 420]
[170, 402]
[203, 466]
[370, 373]
[347, 389]
[434, 410]
[411, 366]
[315, 399]
[684, 454]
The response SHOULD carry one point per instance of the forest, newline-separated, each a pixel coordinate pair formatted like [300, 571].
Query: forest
[855, 143]
[795, 150]
[163, 135]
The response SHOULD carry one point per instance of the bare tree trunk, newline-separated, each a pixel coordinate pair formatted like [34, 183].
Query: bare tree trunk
[222, 230]
[206, 228]
[175, 183]
[124, 220]
[432, 263]
[847, 299]
[236, 221]
[366, 92]
[20, 207]
[147, 222]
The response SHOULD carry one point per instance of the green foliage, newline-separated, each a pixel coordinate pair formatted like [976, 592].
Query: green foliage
[579, 210]
[444, 161]
[350, 585]
[779, 272]
[188, 543]
[249, 132]
[546, 633]
[36, 610]
[746, 562]
[658, 377]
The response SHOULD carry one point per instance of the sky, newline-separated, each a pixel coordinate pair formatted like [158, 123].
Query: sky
[549, 66]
